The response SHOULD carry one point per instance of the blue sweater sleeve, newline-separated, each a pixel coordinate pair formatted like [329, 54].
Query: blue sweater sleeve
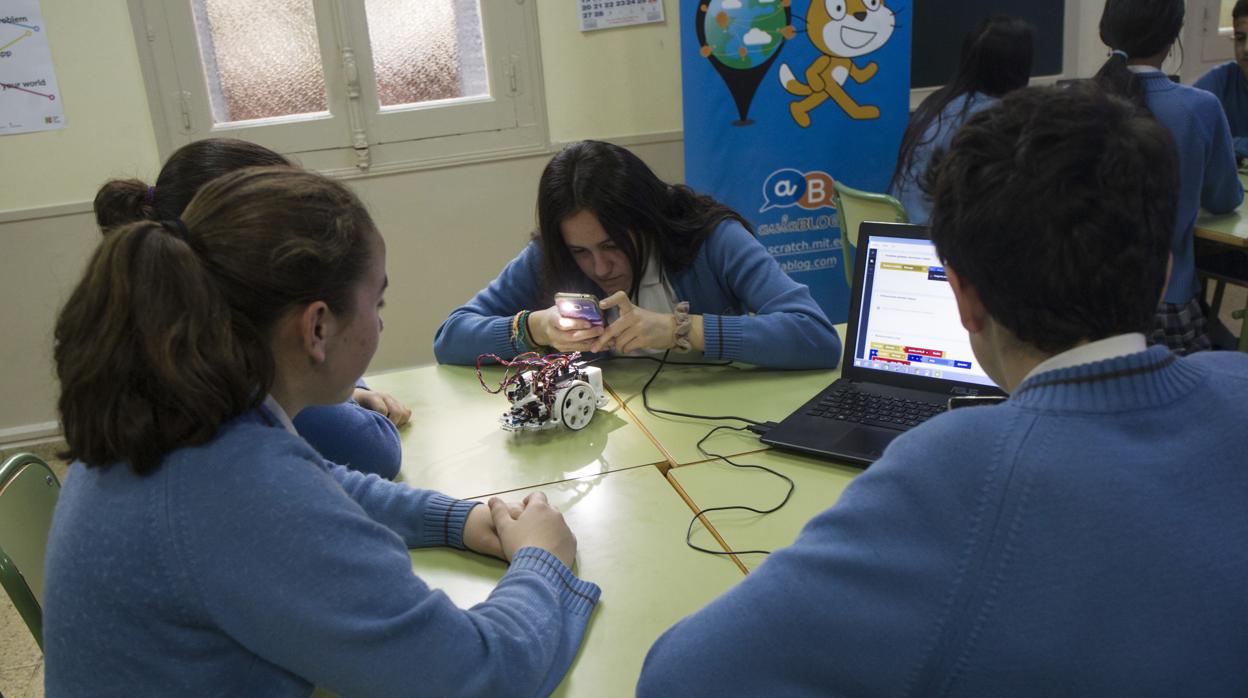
[483, 324]
[786, 329]
[320, 587]
[352, 435]
[1221, 191]
[854, 607]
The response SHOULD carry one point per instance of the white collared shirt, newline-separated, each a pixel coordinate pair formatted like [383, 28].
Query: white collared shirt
[1143, 69]
[654, 293]
[272, 405]
[1100, 350]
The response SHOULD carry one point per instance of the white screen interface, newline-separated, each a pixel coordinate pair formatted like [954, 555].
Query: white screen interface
[908, 320]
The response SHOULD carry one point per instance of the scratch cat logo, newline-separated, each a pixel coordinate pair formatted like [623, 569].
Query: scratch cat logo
[789, 187]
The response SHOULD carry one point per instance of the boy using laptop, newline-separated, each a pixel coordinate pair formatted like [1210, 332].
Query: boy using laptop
[1084, 537]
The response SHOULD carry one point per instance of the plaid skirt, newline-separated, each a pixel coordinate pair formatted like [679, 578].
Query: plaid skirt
[1182, 327]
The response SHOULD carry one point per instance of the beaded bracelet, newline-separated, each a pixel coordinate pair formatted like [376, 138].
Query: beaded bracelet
[518, 326]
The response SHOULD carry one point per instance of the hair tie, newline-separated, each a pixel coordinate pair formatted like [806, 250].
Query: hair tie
[176, 228]
[1119, 52]
[150, 196]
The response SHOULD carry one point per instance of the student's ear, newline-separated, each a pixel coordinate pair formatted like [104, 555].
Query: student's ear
[314, 327]
[971, 309]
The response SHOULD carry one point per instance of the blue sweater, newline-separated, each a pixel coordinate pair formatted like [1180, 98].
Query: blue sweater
[250, 566]
[1087, 537]
[354, 436]
[731, 275]
[1228, 84]
[1207, 175]
[937, 137]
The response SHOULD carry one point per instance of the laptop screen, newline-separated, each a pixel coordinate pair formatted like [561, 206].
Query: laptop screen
[908, 320]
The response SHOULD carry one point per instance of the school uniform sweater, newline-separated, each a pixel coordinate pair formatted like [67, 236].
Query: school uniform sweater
[1086, 537]
[937, 136]
[352, 435]
[752, 311]
[1207, 176]
[1228, 84]
[250, 566]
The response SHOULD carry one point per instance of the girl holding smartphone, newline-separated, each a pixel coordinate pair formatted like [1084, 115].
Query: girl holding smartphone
[682, 271]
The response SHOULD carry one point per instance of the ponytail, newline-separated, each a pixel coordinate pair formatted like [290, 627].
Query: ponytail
[146, 352]
[1135, 29]
[167, 336]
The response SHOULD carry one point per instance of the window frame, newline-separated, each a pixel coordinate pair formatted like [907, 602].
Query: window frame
[356, 137]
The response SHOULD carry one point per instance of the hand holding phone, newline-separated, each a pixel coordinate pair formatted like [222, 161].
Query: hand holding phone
[580, 306]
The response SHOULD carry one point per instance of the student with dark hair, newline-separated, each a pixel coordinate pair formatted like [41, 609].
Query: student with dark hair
[1085, 537]
[996, 60]
[683, 270]
[1229, 81]
[200, 546]
[1141, 33]
[361, 433]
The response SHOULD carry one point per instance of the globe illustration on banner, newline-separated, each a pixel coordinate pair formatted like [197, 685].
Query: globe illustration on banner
[742, 38]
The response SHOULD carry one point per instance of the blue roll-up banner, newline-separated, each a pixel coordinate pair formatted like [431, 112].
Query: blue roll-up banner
[781, 97]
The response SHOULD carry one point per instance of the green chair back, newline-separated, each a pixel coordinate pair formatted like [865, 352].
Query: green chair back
[852, 208]
[28, 493]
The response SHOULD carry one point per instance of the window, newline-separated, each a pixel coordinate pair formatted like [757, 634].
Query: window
[345, 84]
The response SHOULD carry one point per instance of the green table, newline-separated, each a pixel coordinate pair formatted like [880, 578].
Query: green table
[630, 529]
[818, 485]
[738, 390]
[454, 443]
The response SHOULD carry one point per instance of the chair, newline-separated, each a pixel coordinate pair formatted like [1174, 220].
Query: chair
[852, 208]
[28, 493]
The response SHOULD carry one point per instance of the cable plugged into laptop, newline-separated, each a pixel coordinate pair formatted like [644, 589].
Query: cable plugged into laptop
[762, 427]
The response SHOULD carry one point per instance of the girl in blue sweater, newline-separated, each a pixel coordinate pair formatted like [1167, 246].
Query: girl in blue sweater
[361, 433]
[1229, 81]
[996, 59]
[200, 546]
[1141, 33]
[682, 270]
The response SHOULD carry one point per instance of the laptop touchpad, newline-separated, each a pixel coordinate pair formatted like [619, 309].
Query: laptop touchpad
[865, 441]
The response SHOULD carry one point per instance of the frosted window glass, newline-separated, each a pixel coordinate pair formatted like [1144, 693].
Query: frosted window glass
[1224, 18]
[261, 58]
[425, 50]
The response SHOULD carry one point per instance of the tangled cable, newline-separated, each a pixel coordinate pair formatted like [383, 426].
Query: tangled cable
[547, 370]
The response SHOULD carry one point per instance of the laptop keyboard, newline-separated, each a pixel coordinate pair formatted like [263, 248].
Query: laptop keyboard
[876, 410]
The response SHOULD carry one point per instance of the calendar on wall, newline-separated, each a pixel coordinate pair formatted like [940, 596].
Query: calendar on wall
[608, 14]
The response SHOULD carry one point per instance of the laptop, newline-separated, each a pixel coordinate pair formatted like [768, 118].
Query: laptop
[906, 353]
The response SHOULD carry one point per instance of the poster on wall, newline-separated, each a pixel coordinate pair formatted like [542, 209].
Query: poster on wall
[608, 14]
[781, 98]
[29, 98]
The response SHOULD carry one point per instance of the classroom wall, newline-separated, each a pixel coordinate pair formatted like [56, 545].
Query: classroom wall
[469, 220]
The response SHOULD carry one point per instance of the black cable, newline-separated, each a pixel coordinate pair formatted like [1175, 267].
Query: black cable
[735, 507]
[753, 426]
[645, 400]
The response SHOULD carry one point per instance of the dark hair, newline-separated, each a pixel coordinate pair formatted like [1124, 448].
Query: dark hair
[1240, 10]
[1140, 29]
[167, 335]
[626, 197]
[1057, 206]
[122, 201]
[996, 59]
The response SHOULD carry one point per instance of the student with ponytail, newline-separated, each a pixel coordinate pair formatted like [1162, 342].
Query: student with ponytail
[200, 546]
[1141, 34]
[682, 270]
[361, 433]
[996, 60]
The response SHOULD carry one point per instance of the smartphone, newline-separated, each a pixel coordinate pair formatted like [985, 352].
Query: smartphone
[580, 306]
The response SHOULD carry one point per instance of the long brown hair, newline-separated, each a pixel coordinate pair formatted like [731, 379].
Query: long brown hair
[167, 335]
[629, 200]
